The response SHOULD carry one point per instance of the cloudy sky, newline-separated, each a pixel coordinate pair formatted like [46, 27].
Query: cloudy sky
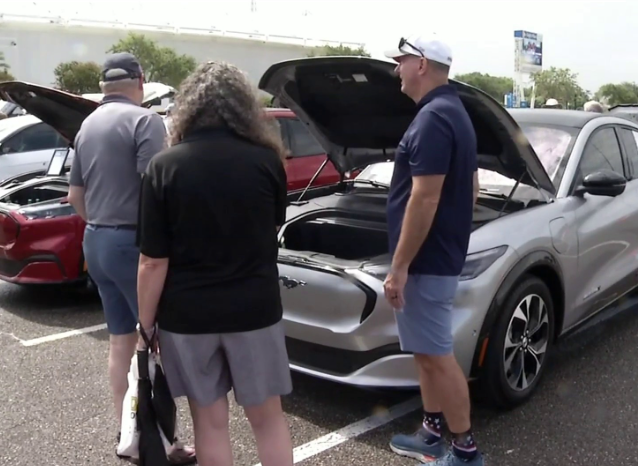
[594, 38]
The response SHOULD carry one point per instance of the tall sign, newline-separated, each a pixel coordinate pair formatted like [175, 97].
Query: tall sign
[528, 59]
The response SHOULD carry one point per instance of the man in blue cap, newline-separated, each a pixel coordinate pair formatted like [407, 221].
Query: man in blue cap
[112, 149]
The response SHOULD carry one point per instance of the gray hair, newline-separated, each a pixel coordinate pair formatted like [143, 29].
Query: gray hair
[593, 106]
[218, 94]
[121, 86]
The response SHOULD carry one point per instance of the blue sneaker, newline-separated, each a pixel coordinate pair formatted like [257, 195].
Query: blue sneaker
[414, 446]
[452, 460]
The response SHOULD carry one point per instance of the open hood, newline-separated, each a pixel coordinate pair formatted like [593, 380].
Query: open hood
[63, 111]
[354, 106]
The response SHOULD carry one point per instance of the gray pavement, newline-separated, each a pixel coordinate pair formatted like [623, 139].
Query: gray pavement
[56, 408]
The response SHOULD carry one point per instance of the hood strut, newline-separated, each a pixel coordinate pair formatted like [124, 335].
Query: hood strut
[312, 180]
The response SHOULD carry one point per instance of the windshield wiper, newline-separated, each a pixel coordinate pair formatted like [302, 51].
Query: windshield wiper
[376, 184]
[497, 195]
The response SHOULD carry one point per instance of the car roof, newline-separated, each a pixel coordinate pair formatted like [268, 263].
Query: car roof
[9, 125]
[554, 116]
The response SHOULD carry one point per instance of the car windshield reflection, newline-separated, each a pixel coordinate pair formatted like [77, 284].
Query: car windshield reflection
[552, 144]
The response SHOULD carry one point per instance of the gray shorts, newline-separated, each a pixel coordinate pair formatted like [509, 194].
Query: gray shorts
[205, 367]
[425, 322]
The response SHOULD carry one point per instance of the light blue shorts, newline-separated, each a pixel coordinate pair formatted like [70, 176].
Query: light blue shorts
[112, 259]
[425, 322]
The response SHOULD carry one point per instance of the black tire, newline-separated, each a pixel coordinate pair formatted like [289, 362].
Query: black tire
[494, 387]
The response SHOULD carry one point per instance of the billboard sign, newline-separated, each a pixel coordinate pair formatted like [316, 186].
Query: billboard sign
[528, 52]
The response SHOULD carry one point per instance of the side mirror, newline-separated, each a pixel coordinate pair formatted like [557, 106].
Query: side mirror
[603, 183]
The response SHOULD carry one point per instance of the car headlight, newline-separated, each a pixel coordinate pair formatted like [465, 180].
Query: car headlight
[47, 211]
[479, 262]
[475, 264]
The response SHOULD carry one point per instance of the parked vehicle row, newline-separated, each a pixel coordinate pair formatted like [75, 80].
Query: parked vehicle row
[554, 245]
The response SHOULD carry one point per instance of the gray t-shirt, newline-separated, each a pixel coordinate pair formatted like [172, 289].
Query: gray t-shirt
[112, 148]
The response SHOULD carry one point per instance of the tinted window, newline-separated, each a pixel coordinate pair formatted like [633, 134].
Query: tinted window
[36, 137]
[602, 152]
[302, 142]
[630, 140]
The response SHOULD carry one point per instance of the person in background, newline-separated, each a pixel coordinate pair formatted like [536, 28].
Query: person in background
[552, 103]
[593, 106]
[432, 194]
[208, 283]
[112, 149]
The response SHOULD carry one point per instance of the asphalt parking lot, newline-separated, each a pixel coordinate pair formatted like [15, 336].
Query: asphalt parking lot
[56, 408]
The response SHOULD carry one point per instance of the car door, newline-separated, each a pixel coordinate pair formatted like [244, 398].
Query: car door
[28, 150]
[307, 157]
[605, 227]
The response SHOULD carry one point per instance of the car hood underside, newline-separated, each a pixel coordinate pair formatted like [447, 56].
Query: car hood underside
[356, 109]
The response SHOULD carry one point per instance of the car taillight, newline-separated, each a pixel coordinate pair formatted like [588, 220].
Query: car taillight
[9, 230]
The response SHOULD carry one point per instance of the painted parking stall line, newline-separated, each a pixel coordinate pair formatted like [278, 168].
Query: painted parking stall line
[333, 439]
[63, 335]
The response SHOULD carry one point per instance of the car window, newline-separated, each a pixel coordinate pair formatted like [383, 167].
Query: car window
[631, 143]
[602, 152]
[302, 142]
[37, 137]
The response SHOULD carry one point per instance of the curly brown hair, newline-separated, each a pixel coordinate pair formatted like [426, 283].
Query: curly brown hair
[218, 94]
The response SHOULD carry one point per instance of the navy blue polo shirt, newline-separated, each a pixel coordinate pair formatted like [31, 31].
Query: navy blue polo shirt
[440, 141]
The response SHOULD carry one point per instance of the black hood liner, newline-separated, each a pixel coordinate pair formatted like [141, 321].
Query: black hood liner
[356, 109]
[63, 111]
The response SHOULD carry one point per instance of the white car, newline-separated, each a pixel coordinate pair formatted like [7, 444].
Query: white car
[26, 146]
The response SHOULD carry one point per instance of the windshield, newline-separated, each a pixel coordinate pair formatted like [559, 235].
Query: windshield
[552, 145]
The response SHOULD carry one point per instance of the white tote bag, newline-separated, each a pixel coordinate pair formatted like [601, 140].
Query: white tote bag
[130, 435]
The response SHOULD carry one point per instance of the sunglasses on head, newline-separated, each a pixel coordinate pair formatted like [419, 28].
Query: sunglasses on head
[403, 42]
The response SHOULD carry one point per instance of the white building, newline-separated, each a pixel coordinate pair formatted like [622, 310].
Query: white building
[34, 45]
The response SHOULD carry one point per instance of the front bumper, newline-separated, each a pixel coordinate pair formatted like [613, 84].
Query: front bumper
[342, 349]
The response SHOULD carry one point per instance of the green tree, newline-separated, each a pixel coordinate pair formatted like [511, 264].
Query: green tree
[614, 94]
[496, 86]
[338, 51]
[78, 77]
[4, 70]
[160, 64]
[560, 84]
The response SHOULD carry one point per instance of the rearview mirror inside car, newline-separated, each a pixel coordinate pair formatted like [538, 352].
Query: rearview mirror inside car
[603, 183]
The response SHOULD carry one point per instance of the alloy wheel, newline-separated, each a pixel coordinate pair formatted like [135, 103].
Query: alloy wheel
[526, 342]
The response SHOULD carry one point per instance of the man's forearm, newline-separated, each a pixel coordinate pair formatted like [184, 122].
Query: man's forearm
[419, 215]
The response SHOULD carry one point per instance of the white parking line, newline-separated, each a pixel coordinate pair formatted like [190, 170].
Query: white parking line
[331, 440]
[63, 335]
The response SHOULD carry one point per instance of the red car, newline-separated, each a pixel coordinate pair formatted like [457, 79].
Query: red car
[40, 233]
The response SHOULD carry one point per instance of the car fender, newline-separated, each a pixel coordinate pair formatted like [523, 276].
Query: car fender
[533, 259]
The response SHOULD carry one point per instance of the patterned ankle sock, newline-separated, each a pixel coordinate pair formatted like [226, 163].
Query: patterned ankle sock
[464, 446]
[432, 425]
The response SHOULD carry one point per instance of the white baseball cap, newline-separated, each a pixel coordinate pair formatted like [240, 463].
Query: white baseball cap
[421, 46]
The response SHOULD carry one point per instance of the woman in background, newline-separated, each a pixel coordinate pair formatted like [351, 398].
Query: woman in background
[210, 209]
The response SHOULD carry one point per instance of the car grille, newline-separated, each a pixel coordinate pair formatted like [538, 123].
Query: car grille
[335, 361]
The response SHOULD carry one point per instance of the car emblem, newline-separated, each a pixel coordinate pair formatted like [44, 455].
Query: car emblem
[291, 282]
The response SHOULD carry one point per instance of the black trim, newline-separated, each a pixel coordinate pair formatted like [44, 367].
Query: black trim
[11, 268]
[371, 295]
[533, 259]
[335, 361]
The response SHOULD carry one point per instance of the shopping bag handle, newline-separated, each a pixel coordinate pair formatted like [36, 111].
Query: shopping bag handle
[147, 341]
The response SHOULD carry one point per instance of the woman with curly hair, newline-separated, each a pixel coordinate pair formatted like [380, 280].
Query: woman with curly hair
[210, 209]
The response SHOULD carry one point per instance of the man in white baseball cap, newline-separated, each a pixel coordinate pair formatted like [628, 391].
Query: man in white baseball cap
[430, 205]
